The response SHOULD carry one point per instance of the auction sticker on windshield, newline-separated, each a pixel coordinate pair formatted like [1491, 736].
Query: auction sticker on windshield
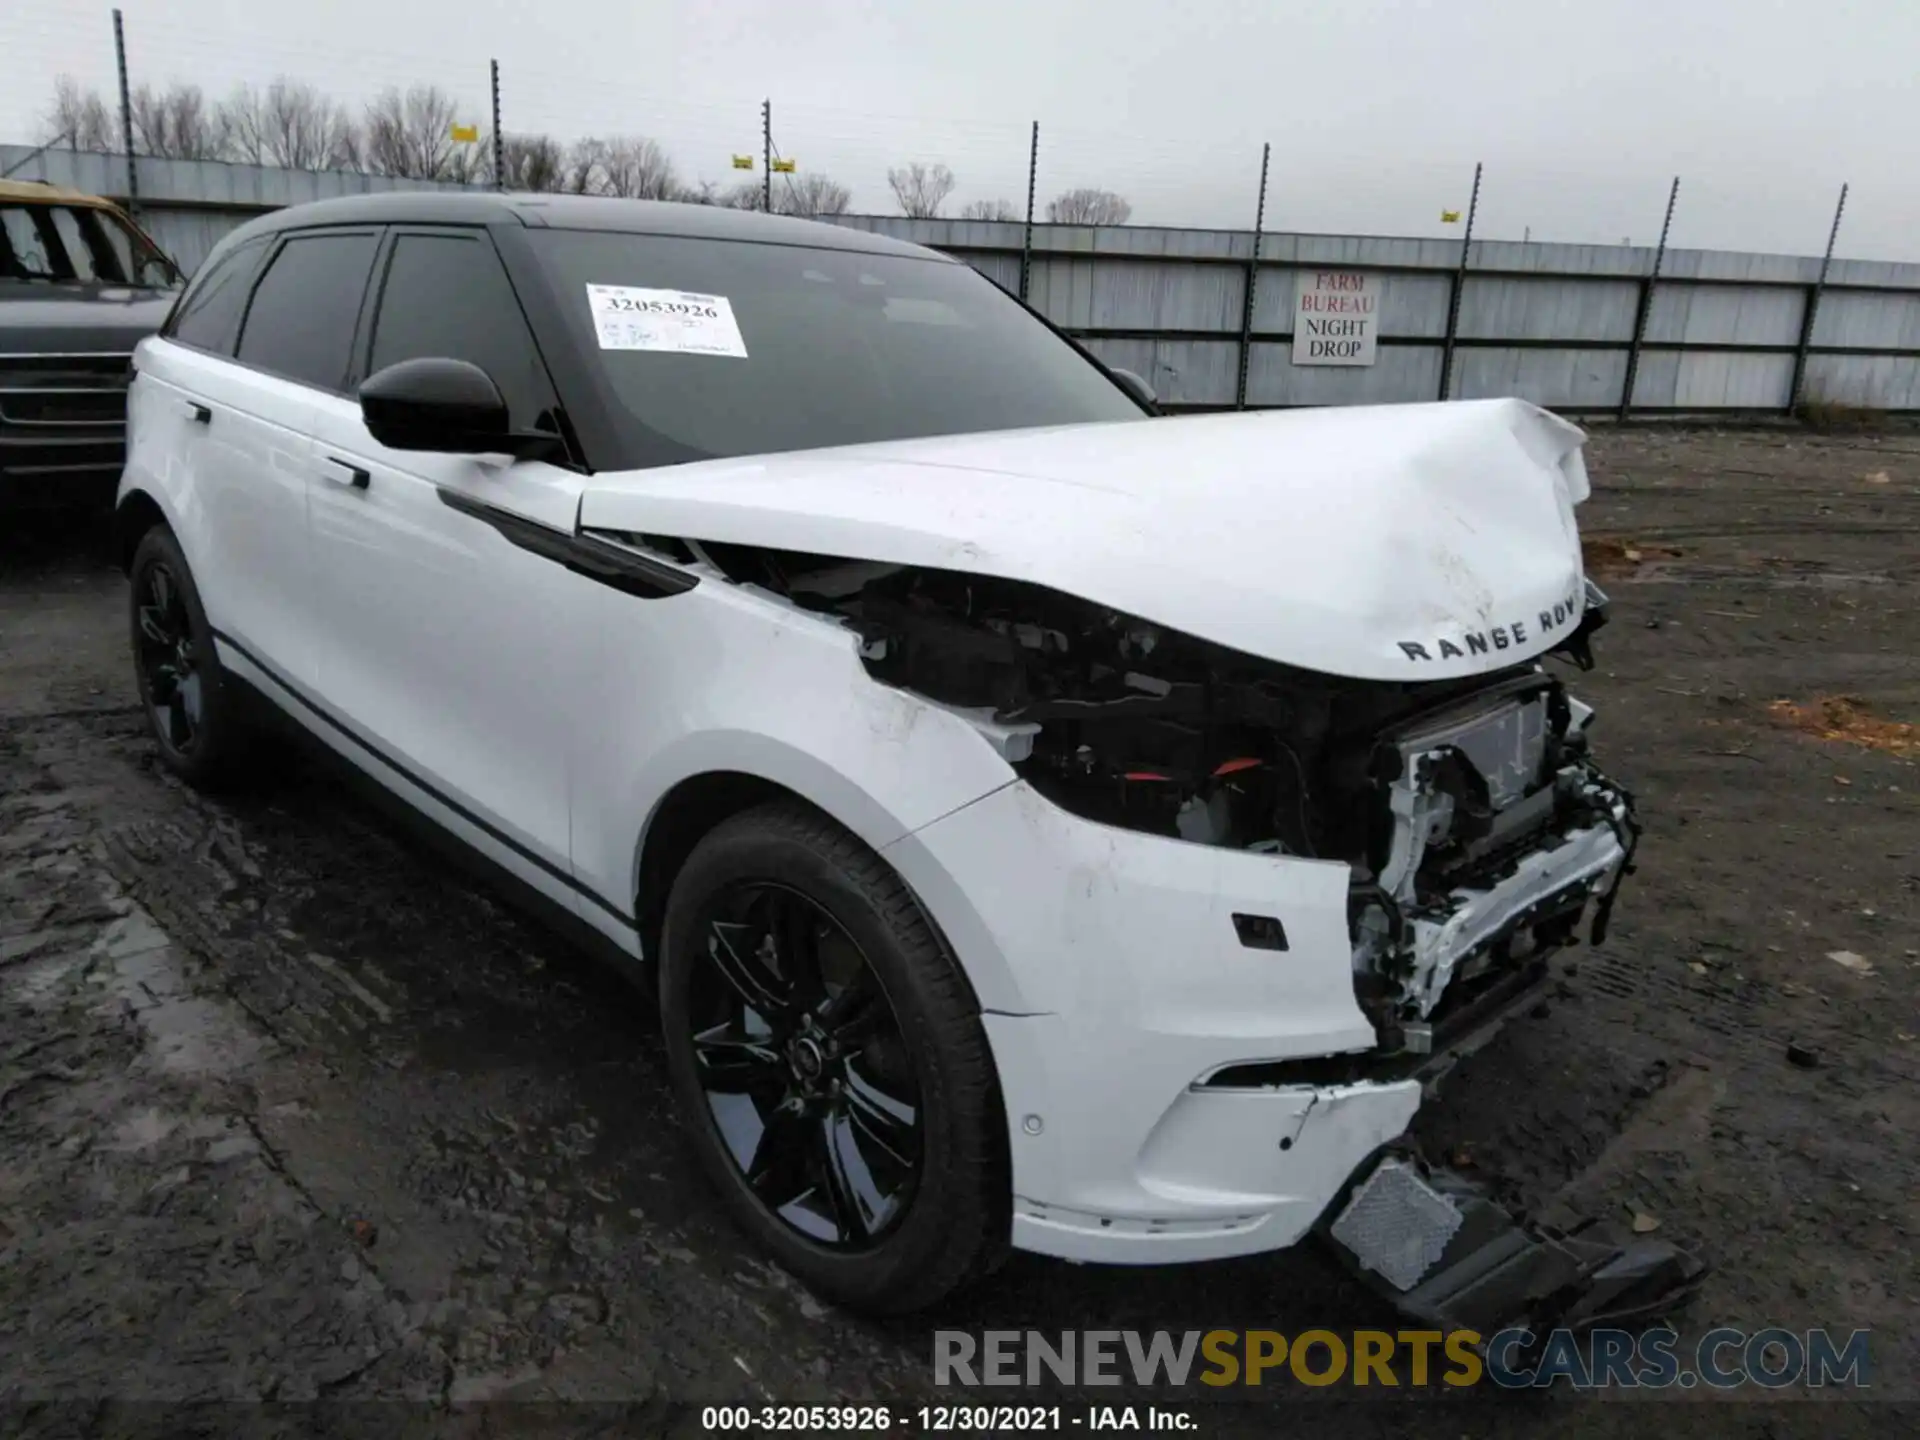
[677, 321]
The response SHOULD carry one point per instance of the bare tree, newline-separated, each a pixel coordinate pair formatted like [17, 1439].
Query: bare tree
[79, 118]
[747, 195]
[989, 210]
[1088, 207]
[411, 135]
[175, 123]
[921, 188]
[533, 162]
[290, 124]
[810, 194]
[625, 165]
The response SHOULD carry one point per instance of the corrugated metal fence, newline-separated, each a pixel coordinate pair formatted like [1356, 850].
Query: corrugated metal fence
[1557, 324]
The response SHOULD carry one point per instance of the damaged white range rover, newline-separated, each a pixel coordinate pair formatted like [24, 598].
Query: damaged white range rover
[1048, 826]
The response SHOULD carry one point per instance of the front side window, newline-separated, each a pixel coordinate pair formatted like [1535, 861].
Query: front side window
[833, 347]
[209, 313]
[448, 296]
[300, 324]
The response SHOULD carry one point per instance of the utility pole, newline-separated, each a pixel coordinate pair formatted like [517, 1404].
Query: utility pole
[1645, 310]
[1026, 243]
[1812, 311]
[1459, 289]
[126, 116]
[499, 140]
[766, 157]
[1253, 283]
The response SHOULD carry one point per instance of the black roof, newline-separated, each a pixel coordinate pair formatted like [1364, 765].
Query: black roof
[578, 212]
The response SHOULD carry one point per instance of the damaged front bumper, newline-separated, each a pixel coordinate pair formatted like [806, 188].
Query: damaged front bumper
[1180, 1083]
[1504, 837]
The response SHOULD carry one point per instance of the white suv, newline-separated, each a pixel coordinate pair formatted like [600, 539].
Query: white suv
[1046, 824]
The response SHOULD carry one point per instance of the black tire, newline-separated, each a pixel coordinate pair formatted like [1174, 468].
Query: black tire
[948, 1222]
[193, 709]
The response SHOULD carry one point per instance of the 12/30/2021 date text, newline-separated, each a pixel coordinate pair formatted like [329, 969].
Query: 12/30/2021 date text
[937, 1419]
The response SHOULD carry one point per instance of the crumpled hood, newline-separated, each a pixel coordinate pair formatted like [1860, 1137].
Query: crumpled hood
[1389, 542]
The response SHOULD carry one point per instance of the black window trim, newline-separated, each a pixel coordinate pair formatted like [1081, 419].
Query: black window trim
[281, 239]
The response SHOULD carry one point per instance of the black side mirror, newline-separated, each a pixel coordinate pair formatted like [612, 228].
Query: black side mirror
[1136, 387]
[451, 406]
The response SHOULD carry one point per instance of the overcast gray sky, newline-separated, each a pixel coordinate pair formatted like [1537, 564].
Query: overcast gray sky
[1582, 110]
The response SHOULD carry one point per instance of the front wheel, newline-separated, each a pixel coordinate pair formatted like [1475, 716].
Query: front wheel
[830, 1064]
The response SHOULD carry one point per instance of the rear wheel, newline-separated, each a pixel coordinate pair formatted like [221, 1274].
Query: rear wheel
[192, 708]
[830, 1064]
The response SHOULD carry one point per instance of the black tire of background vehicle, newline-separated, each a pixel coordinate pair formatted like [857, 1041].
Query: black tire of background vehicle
[958, 1221]
[217, 756]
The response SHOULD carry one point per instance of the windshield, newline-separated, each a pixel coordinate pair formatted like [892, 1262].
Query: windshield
[727, 348]
[77, 243]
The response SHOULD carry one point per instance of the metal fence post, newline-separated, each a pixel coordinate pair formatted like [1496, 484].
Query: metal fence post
[1646, 305]
[499, 140]
[1026, 243]
[1253, 282]
[126, 115]
[766, 156]
[1813, 310]
[1459, 286]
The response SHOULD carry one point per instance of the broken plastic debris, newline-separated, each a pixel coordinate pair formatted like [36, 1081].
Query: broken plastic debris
[1499, 1271]
[1859, 964]
[1644, 1224]
[1397, 1225]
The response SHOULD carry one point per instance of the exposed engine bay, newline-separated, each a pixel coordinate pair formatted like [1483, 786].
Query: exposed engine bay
[1475, 825]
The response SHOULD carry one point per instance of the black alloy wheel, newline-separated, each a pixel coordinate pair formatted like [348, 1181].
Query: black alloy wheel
[804, 1067]
[830, 1062]
[170, 676]
[191, 703]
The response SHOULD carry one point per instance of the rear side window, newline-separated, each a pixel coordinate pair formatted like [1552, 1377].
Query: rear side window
[300, 324]
[448, 296]
[209, 313]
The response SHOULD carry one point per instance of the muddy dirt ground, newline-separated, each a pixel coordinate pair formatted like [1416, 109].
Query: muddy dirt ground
[290, 1110]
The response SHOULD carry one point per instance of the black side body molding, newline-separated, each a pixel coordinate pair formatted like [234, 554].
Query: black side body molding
[597, 560]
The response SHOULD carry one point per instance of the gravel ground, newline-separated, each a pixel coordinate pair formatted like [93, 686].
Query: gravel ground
[291, 1111]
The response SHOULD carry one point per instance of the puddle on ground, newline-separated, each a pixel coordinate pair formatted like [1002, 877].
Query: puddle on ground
[142, 1130]
[186, 1034]
[38, 984]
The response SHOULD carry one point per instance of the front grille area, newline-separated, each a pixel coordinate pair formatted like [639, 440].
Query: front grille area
[63, 414]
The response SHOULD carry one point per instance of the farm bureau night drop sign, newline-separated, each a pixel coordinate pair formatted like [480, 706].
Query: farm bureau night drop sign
[1336, 318]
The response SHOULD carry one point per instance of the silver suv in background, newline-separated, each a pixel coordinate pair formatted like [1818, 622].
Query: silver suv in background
[80, 286]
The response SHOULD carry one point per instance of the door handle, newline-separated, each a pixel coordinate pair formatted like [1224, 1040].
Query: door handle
[200, 414]
[345, 472]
